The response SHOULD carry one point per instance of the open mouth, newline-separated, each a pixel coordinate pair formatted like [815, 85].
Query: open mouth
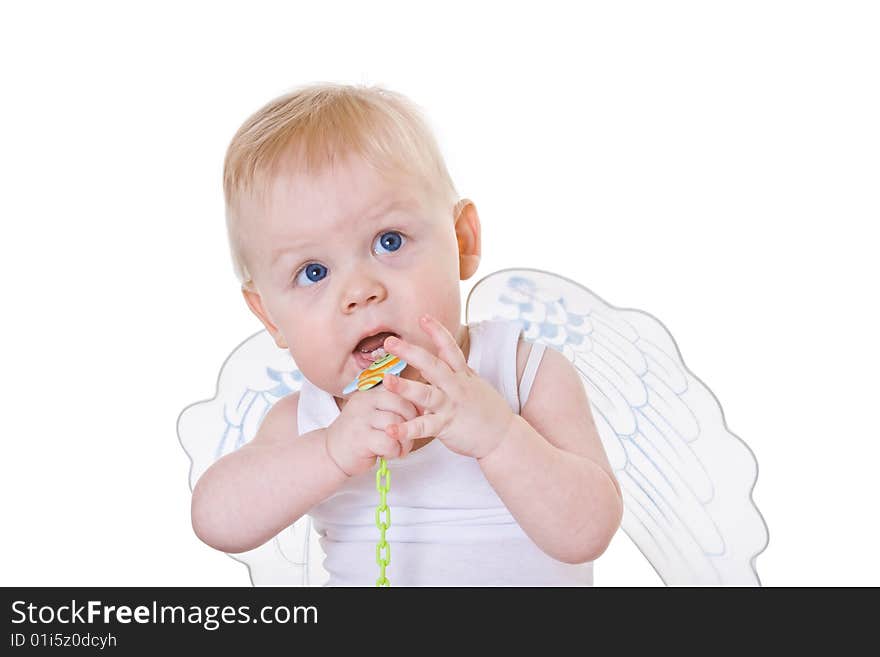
[370, 348]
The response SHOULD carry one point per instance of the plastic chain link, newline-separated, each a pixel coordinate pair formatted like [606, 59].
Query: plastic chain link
[383, 524]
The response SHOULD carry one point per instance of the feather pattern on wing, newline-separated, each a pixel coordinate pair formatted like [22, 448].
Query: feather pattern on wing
[686, 479]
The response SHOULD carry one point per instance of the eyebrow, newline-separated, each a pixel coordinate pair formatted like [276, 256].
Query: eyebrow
[378, 211]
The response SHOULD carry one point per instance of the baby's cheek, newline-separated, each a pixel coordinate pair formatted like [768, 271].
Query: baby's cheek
[314, 369]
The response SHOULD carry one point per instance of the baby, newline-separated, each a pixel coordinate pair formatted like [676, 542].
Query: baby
[349, 239]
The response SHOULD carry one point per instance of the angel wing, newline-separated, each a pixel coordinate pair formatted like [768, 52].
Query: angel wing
[686, 479]
[255, 376]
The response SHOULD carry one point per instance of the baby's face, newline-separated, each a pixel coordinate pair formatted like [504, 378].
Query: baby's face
[346, 254]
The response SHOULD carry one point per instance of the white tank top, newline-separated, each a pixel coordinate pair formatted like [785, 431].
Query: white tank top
[448, 526]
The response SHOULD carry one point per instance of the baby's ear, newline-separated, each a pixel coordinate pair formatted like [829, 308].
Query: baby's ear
[467, 232]
[255, 302]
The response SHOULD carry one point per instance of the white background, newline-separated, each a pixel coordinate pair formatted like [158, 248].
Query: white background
[714, 164]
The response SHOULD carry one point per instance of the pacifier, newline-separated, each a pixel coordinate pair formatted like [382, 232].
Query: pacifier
[368, 377]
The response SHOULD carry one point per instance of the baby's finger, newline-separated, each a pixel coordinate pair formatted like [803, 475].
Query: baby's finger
[381, 445]
[388, 400]
[381, 419]
[433, 369]
[423, 395]
[423, 426]
[447, 348]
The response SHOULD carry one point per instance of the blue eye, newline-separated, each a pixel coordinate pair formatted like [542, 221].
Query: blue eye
[390, 241]
[313, 273]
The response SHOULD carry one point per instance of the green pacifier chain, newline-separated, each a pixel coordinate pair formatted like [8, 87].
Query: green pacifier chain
[383, 524]
[368, 378]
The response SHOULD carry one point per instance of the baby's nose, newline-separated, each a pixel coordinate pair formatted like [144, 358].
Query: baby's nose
[364, 294]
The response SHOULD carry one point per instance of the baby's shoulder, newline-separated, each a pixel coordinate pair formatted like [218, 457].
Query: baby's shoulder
[555, 376]
[280, 421]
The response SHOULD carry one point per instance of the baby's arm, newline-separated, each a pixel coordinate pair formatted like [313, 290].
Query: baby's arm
[250, 495]
[551, 470]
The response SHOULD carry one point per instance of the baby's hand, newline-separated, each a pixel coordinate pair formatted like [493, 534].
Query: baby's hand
[461, 409]
[357, 436]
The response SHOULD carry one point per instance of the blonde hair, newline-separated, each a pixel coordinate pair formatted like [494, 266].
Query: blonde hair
[314, 126]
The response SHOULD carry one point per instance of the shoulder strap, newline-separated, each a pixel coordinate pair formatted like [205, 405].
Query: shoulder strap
[528, 375]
